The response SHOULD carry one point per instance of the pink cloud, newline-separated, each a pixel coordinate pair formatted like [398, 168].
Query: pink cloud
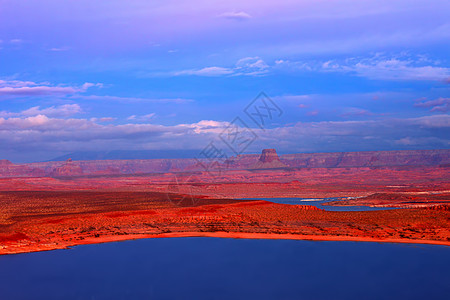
[132, 99]
[356, 112]
[53, 111]
[239, 16]
[439, 105]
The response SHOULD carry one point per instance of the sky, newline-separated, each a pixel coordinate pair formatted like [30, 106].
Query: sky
[348, 75]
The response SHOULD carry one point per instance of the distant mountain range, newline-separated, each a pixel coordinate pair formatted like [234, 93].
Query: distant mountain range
[128, 154]
[107, 163]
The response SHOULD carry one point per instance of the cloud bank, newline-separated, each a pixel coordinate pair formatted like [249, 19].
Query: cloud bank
[32, 130]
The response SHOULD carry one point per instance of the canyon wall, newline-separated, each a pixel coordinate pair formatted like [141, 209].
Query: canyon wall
[368, 159]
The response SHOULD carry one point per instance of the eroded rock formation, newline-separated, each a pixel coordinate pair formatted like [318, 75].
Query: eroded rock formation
[69, 168]
[268, 160]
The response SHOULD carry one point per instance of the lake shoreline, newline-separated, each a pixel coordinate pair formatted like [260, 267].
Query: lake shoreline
[227, 235]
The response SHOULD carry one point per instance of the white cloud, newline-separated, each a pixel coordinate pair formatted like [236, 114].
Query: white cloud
[65, 110]
[88, 85]
[251, 66]
[208, 71]
[377, 67]
[30, 88]
[16, 41]
[239, 16]
[390, 68]
[430, 122]
[54, 134]
[248, 66]
[144, 118]
[37, 90]
[59, 49]
[132, 99]
[60, 111]
[399, 67]
[24, 134]
[400, 70]
[208, 126]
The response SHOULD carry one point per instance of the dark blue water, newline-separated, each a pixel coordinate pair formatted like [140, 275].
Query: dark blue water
[319, 203]
[214, 268]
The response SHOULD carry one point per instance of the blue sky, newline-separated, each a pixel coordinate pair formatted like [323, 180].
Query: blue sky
[111, 75]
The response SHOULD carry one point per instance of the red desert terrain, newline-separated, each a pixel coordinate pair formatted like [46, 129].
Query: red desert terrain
[54, 205]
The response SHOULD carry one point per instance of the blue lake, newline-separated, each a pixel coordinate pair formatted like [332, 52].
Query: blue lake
[319, 203]
[215, 268]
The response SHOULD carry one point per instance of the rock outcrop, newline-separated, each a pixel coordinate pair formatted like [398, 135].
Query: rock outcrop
[5, 163]
[69, 168]
[268, 160]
